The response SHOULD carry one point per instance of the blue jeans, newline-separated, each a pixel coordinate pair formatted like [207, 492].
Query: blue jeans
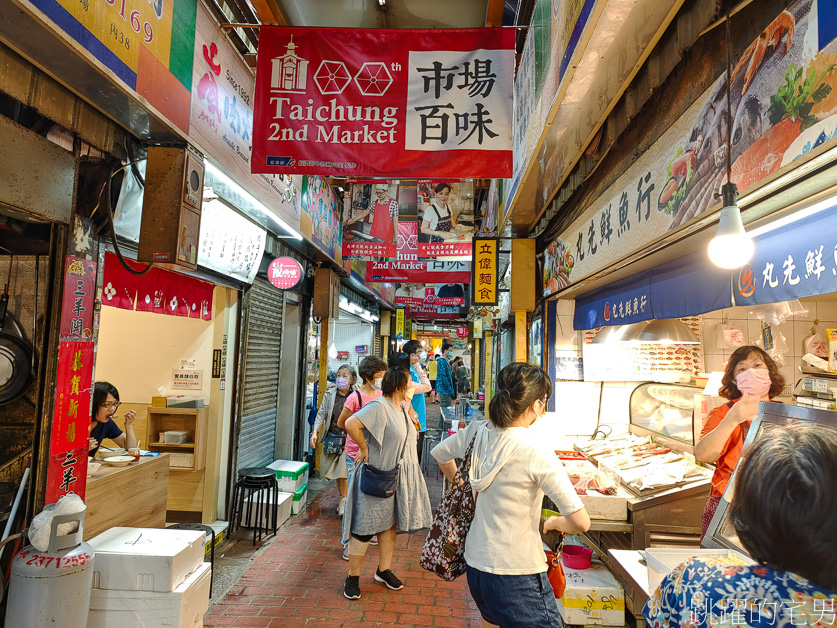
[514, 601]
[350, 469]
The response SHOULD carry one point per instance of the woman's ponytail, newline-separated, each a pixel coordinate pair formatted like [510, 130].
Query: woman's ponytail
[519, 385]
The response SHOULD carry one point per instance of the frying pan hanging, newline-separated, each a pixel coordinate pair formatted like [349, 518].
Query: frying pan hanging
[16, 374]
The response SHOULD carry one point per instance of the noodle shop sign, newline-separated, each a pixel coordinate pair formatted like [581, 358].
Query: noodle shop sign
[284, 273]
[384, 103]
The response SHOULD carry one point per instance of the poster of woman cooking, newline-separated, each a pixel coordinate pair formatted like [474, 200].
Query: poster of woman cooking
[371, 222]
[784, 106]
[446, 218]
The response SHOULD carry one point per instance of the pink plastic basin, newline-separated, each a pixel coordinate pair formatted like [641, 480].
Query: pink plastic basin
[576, 557]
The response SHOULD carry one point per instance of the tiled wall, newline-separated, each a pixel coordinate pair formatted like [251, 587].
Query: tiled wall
[795, 330]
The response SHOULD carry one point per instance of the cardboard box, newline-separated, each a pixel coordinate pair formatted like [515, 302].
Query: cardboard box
[290, 474]
[592, 596]
[662, 560]
[159, 402]
[284, 511]
[146, 559]
[184, 607]
[184, 401]
[831, 334]
[300, 498]
[181, 461]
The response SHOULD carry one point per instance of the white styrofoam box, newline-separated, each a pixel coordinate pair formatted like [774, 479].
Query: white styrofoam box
[300, 498]
[146, 559]
[183, 608]
[592, 596]
[285, 500]
[607, 507]
[181, 460]
[177, 437]
[291, 474]
[661, 560]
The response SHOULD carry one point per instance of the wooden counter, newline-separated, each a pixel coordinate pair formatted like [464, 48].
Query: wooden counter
[133, 496]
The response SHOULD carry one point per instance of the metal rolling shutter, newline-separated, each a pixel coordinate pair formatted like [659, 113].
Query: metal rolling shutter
[376, 348]
[262, 357]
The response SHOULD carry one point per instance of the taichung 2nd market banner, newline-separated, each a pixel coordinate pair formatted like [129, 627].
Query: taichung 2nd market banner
[384, 103]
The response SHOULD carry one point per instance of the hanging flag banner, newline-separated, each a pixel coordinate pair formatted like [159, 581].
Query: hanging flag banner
[409, 269]
[370, 220]
[384, 102]
[399, 323]
[484, 268]
[432, 313]
[446, 218]
[420, 295]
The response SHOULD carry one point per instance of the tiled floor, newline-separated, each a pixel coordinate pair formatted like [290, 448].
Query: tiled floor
[298, 580]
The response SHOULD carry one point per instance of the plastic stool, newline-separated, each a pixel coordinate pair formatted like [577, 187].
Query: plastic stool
[206, 529]
[252, 481]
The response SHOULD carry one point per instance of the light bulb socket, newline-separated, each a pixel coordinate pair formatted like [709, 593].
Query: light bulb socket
[729, 193]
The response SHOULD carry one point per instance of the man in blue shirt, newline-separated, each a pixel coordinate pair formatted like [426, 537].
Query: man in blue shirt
[444, 377]
[421, 386]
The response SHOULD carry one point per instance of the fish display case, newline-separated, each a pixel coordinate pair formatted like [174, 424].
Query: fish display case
[652, 471]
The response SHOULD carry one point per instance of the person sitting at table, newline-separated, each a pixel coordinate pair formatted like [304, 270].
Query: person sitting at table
[102, 425]
[784, 512]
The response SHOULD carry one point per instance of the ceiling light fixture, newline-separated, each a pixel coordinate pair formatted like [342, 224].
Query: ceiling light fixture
[663, 331]
[731, 247]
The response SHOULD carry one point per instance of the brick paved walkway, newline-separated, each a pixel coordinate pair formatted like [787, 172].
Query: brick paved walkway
[298, 581]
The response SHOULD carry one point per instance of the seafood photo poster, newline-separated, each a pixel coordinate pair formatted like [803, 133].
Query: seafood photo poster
[784, 105]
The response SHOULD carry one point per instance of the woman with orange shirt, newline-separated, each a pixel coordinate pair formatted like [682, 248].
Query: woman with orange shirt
[750, 377]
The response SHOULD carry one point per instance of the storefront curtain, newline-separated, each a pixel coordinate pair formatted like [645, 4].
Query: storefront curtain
[159, 291]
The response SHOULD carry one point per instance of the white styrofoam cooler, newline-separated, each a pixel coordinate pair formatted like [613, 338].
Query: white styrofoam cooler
[285, 500]
[592, 596]
[291, 475]
[662, 560]
[299, 499]
[146, 559]
[182, 608]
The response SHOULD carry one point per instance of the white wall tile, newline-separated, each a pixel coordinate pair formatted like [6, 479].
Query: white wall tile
[826, 310]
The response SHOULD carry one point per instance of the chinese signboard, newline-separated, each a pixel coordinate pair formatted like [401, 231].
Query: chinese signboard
[677, 179]
[477, 328]
[797, 261]
[77, 305]
[68, 445]
[408, 268]
[384, 103]
[230, 243]
[399, 323]
[147, 45]
[320, 221]
[284, 273]
[419, 295]
[462, 331]
[221, 120]
[484, 268]
[187, 380]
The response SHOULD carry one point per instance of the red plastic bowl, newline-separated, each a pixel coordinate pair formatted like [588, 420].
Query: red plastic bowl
[576, 556]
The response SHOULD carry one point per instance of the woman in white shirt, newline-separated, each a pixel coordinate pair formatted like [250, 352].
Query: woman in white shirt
[510, 472]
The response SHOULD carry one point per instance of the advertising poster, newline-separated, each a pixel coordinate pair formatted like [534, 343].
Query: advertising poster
[320, 220]
[147, 45]
[784, 106]
[384, 103]
[418, 294]
[446, 218]
[370, 220]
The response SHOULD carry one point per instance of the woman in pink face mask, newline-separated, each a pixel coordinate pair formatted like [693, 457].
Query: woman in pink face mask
[751, 376]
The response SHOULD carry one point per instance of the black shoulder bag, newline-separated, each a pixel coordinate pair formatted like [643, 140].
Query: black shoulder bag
[336, 443]
[377, 483]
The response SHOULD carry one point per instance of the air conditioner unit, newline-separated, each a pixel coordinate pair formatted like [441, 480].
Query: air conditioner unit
[171, 207]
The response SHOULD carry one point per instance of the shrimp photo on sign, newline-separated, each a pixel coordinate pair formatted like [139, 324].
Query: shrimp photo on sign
[446, 218]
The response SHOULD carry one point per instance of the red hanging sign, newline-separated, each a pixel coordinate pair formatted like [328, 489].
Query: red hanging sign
[77, 303]
[384, 103]
[284, 273]
[409, 269]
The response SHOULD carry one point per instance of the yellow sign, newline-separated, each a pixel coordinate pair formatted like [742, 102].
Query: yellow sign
[477, 328]
[399, 324]
[484, 269]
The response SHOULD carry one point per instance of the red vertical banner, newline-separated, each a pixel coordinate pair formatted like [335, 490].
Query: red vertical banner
[77, 306]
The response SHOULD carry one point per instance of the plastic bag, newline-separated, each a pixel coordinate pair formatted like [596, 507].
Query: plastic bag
[778, 313]
[41, 526]
[581, 474]
[730, 337]
[816, 343]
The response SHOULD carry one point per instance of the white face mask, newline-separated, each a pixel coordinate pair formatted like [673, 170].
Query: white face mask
[376, 384]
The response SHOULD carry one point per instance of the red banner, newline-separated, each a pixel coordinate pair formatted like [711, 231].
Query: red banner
[421, 295]
[68, 445]
[384, 103]
[77, 303]
[409, 269]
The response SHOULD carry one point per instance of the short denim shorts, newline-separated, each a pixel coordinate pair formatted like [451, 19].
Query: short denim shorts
[514, 601]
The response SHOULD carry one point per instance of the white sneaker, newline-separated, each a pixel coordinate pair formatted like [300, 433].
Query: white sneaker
[341, 507]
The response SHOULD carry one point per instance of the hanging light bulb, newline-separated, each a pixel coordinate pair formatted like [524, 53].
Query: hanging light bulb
[731, 247]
